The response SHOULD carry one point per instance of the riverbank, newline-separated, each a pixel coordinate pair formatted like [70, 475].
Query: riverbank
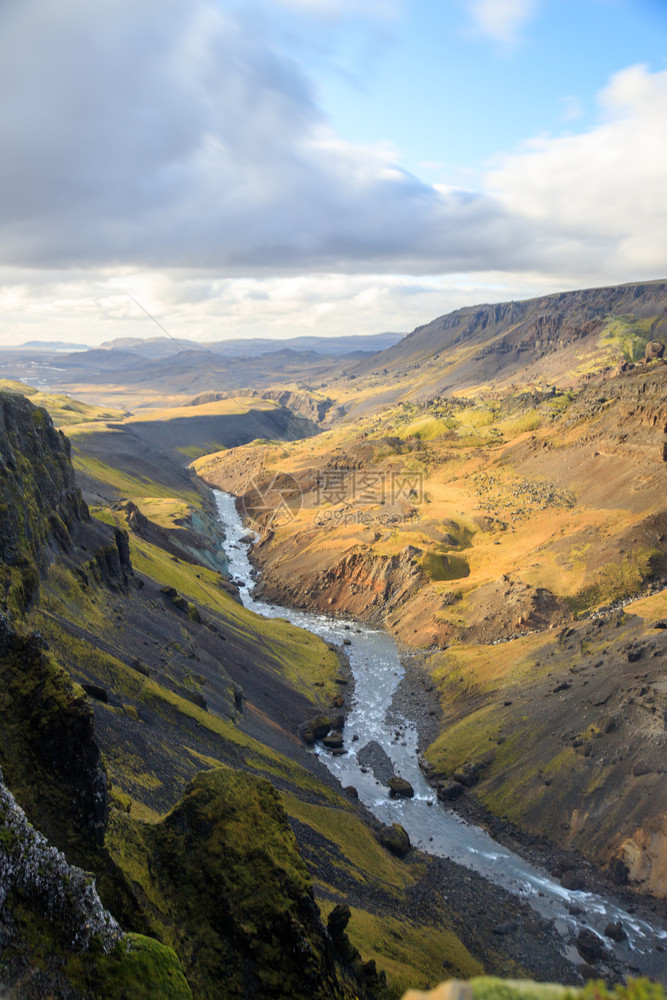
[416, 699]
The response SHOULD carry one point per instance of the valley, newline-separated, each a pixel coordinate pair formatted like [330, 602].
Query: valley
[490, 493]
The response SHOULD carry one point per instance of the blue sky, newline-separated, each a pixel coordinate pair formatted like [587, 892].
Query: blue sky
[446, 89]
[281, 167]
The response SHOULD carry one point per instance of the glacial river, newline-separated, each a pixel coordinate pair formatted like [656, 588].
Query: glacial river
[432, 827]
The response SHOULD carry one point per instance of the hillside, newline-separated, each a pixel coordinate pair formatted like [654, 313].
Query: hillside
[503, 516]
[557, 340]
[136, 667]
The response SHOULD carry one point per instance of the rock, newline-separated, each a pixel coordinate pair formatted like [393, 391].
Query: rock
[395, 839]
[641, 768]
[615, 931]
[320, 726]
[468, 775]
[307, 735]
[654, 350]
[338, 920]
[618, 871]
[315, 729]
[572, 880]
[590, 946]
[588, 972]
[347, 642]
[97, 692]
[351, 791]
[449, 790]
[399, 788]
[506, 927]
[334, 741]
[661, 624]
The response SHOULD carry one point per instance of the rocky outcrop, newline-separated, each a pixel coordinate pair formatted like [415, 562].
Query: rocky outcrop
[56, 936]
[39, 500]
[39, 872]
[223, 872]
[49, 752]
[361, 583]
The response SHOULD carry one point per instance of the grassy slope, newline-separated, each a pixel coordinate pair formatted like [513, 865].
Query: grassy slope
[90, 631]
[523, 494]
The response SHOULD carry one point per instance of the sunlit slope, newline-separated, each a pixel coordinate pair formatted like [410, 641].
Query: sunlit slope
[554, 340]
[562, 492]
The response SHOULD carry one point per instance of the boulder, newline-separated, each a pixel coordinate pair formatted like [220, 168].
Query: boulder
[449, 790]
[654, 350]
[338, 920]
[619, 871]
[573, 881]
[590, 946]
[315, 729]
[320, 726]
[334, 741]
[615, 931]
[399, 788]
[467, 775]
[395, 839]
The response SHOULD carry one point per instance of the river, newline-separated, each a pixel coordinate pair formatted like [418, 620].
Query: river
[435, 829]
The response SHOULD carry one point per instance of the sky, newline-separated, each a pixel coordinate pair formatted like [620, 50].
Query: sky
[322, 167]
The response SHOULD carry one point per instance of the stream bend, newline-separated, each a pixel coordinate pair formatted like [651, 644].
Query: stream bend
[432, 827]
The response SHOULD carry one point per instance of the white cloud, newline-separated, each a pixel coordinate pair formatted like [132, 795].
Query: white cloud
[141, 151]
[383, 9]
[502, 20]
[598, 199]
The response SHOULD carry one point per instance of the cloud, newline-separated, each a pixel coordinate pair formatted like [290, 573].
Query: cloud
[192, 142]
[91, 307]
[598, 199]
[502, 20]
[382, 9]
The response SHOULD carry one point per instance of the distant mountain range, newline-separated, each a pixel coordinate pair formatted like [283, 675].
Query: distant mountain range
[51, 345]
[162, 347]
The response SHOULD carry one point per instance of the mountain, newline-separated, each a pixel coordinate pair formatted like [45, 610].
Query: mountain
[555, 339]
[51, 345]
[159, 347]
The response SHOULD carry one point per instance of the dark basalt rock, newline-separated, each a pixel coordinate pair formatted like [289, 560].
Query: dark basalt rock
[573, 881]
[399, 788]
[615, 931]
[591, 947]
[315, 729]
[619, 871]
[447, 791]
[395, 838]
[468, 775]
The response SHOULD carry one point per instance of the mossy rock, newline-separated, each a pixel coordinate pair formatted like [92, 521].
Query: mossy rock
[222, 881]
[395, 838]
[141, 968]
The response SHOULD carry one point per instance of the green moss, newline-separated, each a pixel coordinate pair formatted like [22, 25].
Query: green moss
[221, 879]
[359, 853]
[627, 336]
[132, 487]
[440, 566]
[411, 955]
[137, 967]
[491, 988]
